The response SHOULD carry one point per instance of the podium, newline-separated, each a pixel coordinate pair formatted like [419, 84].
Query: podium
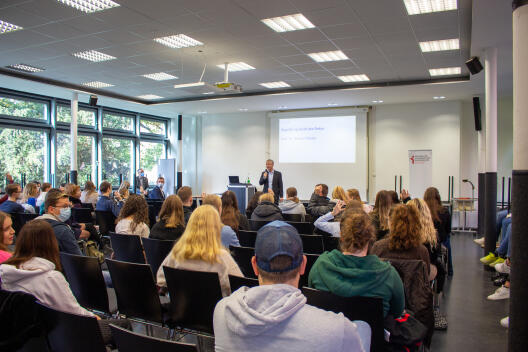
[244, 193]
[462, 206]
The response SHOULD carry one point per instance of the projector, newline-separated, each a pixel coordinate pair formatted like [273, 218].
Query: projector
[228, 87]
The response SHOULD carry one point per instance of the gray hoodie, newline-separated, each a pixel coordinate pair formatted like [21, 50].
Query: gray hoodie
[288, 206]
[277, 318]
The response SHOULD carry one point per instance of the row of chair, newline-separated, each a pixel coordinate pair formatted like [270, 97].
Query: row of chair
[305, 228]
[313, 244]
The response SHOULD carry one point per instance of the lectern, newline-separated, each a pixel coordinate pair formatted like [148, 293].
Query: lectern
[244, 193]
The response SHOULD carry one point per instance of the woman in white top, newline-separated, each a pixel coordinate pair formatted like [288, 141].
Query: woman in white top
[200, 248]
[133, 217]
[89, 194]
[330, 222]
[44, 188]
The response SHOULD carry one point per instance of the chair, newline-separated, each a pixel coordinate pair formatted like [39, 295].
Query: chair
[312, 244]
[243, 255]
[20, 219]
[88, 206]
[255, 225]
[193, 297]
[247, 238]
[127, 248]
[86, 281]
[310, 260]
[330, 243]
[129, 341]
[82, 215]
[237, 282]
[136, 293]
[106, 221]
[292, 217]
[367, 309]
[70, 332]
[156, 251]
[304, 228]
[152, 215]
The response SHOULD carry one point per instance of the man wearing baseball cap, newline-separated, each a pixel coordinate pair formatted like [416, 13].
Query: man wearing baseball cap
[274, 316]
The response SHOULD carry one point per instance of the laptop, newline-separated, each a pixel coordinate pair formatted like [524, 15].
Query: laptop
[234, 180]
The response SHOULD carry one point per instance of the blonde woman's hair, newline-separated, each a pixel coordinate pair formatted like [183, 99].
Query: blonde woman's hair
[339, 193]
[201, 239]
[429, 234]
[266, 197]
[30, 191]
[123, 188]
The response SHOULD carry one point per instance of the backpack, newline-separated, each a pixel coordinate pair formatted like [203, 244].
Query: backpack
[90, 249]
[406, 333]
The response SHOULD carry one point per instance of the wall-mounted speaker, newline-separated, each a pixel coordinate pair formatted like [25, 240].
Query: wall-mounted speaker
[474, 65]
[476, 113]
[93, 100]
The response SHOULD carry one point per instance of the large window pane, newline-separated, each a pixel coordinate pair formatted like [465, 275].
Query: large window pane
[118, 158]
[149, 154]
[118, 122]
[23, 108]
[84, 116]
[23, 152]
[85, 158]
[152, 126]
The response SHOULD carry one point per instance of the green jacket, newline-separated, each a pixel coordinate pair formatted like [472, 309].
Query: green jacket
[348, 275]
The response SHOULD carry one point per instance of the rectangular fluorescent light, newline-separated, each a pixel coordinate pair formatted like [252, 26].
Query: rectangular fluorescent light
[327, 56]
[160, 76]
[97, 84]
[354, 78]
[417, 7]
[25, 68]
[6, 27]
[208, 93]
[94, 56]
[185, 85]
[178, 41]
[149, 96]
[90, 6]
[236, 66]
[440, 45]
[272, 85]
[288, 23]
[446, 71]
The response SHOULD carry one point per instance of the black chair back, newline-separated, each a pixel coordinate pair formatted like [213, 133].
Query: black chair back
[156, 251]
[304, 228]
[137, 296]
[86, 281]
[330, 243]
[193, 297]
[243, 255]
[247, 238]
[127, 248]
[312, 244]
[237, 282]
[106, 221]
[152, 215]
[20, 219]
[255, 225]
[70, 332]
[292, 217]
[82, 215]
[88, 206]
[129, 341]
[310, 260]
[368, 309]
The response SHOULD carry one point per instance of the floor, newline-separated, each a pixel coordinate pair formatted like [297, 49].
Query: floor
[473, 320]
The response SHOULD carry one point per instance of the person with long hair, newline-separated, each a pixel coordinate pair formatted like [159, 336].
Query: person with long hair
[253, 203]
[29, 197]
[338, 193]
[330, 222]
[171, 223]
[228, 236]
[200, 248]
[44, 188]
[380, 214]
[89, 194]
[394, 197]
[231, 216]
[123, 190]
[133, 218]
[7, 234]
[353, 194]
[74, 194]
[292, 205]
[266, 209]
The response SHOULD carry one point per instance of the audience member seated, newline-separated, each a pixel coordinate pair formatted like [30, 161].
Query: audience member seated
[9, 180]
[380, 214]
[157, 192]
[319, 203]
[124, 190]
[89, 194]
[62, 186]
[42, 196]
[274, 316]
[394, 197]
[133, 218]
[503, 224]
[74, 194]
[353, 194]
[351, 272]
[200, 249]
[142, 182]
[171, 223]
[326, 222]
[266, 210]
[291, 204]
[339, 194]
[14, 193]
[231, 215]
[105, 203]
[185, 194]
[227, 235]
[29, 197]
[7, 235]
[405, 238]
[253, 203]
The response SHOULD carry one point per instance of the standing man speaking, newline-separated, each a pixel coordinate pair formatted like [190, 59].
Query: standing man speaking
[271, 179]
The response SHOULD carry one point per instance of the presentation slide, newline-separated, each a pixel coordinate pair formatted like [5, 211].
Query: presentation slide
[329, 139]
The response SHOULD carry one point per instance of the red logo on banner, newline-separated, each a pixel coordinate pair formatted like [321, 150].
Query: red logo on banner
[412, 159]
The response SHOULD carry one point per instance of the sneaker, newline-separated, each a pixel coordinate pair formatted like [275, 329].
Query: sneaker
[479, 241]
[502, 268]
[498, 261]
[440, 320]
[490, 258]
[501, 293]
[500, 281]
[505, 322]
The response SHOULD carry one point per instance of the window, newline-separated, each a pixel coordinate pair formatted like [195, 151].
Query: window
[84, 116]
[27, 109]
[152, 126]
[85, 158]
[23, 152]
[149, 154]
[118, 158]
[118, 122]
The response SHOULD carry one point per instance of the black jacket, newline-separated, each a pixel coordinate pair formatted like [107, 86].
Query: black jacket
[266, 211]
[187, 211]
[319, 205]
[160, 232]
[276, 184]
[444, 225]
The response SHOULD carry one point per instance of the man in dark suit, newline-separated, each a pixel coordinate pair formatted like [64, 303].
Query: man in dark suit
[157, 192]
[271, 179]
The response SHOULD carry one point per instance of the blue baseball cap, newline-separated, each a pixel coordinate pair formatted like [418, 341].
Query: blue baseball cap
[278, 238]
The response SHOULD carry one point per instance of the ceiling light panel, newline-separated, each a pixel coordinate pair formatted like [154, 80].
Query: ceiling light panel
[97, 84]
[90, 6]
[236, 66]
[6, 27]
[178, 41]
[149, 97]
[445, 71]
[185, 85]
[25, 68]
[160, 76]
[440, 45]
[288, 23]
[327, 56]
[94, 56]
[354, 78]
[272, 85]
[417, 7]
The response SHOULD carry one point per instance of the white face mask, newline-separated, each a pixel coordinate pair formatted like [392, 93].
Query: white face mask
[160, 185]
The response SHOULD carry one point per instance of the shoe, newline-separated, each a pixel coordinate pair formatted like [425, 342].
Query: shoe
[505, 322]
[501, 293]
[490, 258]
[479, 241]
[500, 281]
[440, 320]
[498, 261]
[502, 268]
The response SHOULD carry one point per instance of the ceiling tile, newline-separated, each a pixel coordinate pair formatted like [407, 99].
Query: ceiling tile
[304, 36]
[316, 47]
[20, 17]
[346, 30]
[295, 60]
[332, 16]
[266, 9]
[338, 64]
[51, 9]
[311, 5]
[306, 67]
[317, 74]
